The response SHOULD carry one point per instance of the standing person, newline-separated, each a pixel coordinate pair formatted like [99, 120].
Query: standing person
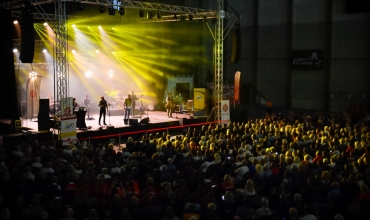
[87, 105]
[103, 109]
[133, 99]
[127, 105]
[75, 104]
[169, 105]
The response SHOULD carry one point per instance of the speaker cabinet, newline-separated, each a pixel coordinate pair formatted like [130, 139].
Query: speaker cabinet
[145, 121]
[43, 116]
[133, 121]
[27, 37]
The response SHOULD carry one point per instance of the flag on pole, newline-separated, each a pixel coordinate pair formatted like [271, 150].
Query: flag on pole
[237, 88]
[33, 96]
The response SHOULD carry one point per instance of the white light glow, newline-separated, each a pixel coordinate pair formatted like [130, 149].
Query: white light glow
[111, 73]
[15, 50]
[33, 75]
[88, 74]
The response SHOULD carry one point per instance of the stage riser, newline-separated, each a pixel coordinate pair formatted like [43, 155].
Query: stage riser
[13, 140]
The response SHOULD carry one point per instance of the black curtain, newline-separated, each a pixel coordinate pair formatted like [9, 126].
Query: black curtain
[8, 87]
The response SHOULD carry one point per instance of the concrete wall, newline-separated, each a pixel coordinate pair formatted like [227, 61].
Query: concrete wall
[272, 29]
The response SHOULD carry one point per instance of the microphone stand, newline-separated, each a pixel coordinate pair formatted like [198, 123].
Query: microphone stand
[141, 108]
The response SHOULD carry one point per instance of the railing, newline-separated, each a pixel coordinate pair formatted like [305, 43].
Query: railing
[125, 135]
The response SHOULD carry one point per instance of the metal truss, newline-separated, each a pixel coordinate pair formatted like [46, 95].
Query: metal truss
[33, 66]
[218, 52]
[61, 53]
[17, 42]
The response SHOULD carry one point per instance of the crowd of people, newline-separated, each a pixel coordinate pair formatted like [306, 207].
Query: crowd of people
[309, 167]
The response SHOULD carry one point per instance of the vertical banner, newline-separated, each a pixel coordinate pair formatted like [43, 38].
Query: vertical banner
[68, 130]
[225, 111]
[68, 121]
[33, 96]
[237, 88]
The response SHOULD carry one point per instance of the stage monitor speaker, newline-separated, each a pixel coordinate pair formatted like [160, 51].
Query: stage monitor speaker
[43, 116]
[145, 121]
[133, 121]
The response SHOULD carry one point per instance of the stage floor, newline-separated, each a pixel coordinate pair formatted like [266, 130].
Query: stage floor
[155, 117]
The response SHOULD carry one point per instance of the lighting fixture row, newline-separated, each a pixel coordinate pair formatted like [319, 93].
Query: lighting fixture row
[16, 50]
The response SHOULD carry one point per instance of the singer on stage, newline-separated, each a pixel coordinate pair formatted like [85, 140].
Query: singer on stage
[103, 109]
[127, 106]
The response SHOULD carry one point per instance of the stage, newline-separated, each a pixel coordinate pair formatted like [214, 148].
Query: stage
[114, 130]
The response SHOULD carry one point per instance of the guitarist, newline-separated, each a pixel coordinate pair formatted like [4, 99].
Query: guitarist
[103, 109]
[169, 105]
[127, 105]
[87, 104]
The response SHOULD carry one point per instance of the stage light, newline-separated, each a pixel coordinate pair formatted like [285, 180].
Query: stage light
[73, 25]
[97, 51]
[149, 15]
[15, 50]
[159, 14]
[141, 13]
[88, 74]
[73, 51]
[44, 51]
[99, 27]
[33, 75]
[111, 11]
[111, 73]
[121, 11]
[45, 24]
[15, 22]
[182, 17]
[214, 20]
[101, 9]
[191, 17]
[175, 16]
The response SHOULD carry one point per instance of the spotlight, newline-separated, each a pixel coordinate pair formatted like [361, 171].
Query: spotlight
[141, 13]
[149, 15]
[15, 22]
[191, 17]
[175, 16]
[99, 27]
[159, 14]
[112, 11]
[73, 51]
[101, 9]
[73, 25]
[121, 11]
[33, 75]
[15, 50]
[45, 24]
[88, 74]
[182, 17]
[111, 73]
[97, 51]
[44, 51]
[74, 6]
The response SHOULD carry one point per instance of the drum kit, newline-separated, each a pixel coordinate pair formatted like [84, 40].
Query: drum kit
[116, 99]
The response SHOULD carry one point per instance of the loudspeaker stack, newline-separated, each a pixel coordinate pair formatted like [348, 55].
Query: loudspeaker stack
[27, 36]
[43, 116]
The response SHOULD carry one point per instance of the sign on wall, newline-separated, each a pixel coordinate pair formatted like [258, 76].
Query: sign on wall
[307, 60]
[225, 111]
